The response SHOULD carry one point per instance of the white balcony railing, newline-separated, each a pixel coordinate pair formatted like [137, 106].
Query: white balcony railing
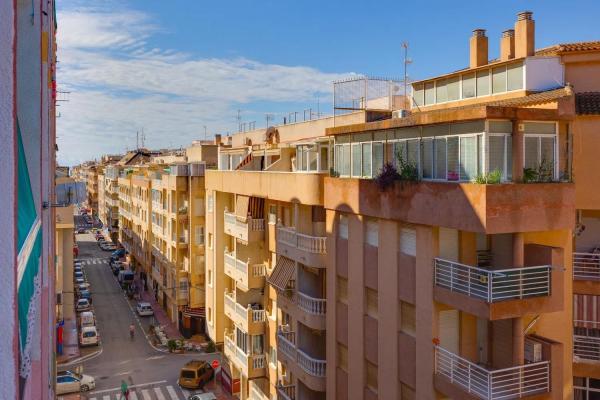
[308, 243]
[493, 285]
[586, 347]
[244, 313]
[286, 392]
[255, 270]
[586, 266]
[508, 383]
[312, 305]
[310, 365]
[254, 224]
[256, 361]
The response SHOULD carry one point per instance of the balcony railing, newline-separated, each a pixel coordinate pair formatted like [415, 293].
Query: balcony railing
[586, 266]
[310, 365]
[508, 383]
[256, 393]
[312, 305]
[243, 267]
[254, 361]
[254, 224]
[493, 285]
[311, 244]
[586, 347]
[286, 392]
[244, 312]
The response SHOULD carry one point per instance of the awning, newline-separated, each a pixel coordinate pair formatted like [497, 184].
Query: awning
[282, 273]
[256, 207]
[241, 207]
[198, 312]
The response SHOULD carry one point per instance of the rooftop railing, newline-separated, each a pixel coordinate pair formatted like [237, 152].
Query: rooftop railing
[493, 285]
[586, 266]
[507, 383]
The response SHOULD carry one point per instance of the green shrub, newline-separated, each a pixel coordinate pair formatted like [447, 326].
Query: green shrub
[172, 344]
[210, 347]
[491, 178]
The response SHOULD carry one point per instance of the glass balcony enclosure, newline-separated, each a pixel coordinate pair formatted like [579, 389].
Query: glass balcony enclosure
[448, 152]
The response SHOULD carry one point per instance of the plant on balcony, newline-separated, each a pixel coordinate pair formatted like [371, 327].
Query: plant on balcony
[408, 171]
[333, 173]
[543, 173]
[210, 347]
[386, 176]
[489, 178]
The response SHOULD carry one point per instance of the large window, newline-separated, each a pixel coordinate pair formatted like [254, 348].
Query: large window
[311, 158]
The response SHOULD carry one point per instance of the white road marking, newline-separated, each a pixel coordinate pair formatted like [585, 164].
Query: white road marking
[186, 393]
[159, 394]
[146, 395]
[133, 396]
[172, 393]
[105, 397]
[130, 387]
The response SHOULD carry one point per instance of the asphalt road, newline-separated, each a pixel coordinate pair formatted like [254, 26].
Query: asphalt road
[152, 374]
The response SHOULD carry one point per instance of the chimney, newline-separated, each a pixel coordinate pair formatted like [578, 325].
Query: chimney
[507, 45]
[217, 139]
[479, 48]
[524, 35]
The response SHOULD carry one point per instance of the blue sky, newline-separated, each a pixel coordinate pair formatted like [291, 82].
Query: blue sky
[171, 67]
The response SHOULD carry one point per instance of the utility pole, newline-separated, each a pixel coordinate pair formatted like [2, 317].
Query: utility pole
[137, 140]
[204, 132]
[406, 62]
[239, 120]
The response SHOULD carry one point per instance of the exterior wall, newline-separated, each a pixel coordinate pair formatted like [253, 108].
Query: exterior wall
[585, 162]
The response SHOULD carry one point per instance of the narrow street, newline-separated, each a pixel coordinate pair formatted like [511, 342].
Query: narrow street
[150, 373]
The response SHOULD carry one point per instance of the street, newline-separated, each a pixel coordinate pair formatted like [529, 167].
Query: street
[150, 373]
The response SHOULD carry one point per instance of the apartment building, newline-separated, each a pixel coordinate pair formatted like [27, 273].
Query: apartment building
[27, 215]
[444, 287]
[92, 187]
[101, 194]
[266, 258]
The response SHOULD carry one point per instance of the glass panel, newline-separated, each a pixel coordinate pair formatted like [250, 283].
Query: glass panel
[468, 86]
[427, 158]
[366, 159]
[312, 159]
[399, 151]
[509, 157]
[346, 160]
[453, 88]
[515, 76]
[468, 157]
[356, 164]
[499, 79]
[483, 83]
[531, 152]
[418, 92]
[429, 93]
[299, 158]
[412, 151]
[452, 156]
[377, 157]
[547, 154]
[441, 93]
[495, 152]
[324, 150]
[440, 158]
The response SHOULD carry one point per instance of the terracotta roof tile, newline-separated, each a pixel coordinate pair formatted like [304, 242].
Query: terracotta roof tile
[568, 48]
[534, 98]
[587, 103]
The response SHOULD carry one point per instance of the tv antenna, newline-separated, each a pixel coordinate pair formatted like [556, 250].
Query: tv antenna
[407, 61]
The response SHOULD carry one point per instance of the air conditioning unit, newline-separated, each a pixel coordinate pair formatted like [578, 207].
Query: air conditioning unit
[400, 114]
[533, 351]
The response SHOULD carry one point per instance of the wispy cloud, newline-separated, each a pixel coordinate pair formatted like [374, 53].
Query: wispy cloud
[119, 83]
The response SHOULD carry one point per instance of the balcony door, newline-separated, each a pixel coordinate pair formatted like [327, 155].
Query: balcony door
[449, 323]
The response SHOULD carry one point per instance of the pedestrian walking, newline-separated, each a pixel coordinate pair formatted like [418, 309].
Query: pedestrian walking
[124, 390]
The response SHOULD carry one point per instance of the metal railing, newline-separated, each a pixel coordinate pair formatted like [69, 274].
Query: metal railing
[507, 383]
[308, 243]
[312, 366]
[586, 347]
[286, 392]
[312, 305]
[586, 266]
[493, 285]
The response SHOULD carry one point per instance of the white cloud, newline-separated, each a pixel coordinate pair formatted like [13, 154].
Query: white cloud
[119, 84]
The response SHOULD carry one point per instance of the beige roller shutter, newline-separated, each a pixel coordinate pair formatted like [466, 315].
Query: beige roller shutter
[449, 244]
[449, 330]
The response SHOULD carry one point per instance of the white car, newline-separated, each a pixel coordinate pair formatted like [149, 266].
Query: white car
[82, 305]
[144, 309]
[70, 382]
[88, 336]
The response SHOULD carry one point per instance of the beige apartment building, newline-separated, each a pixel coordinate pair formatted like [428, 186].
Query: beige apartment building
[472, 275]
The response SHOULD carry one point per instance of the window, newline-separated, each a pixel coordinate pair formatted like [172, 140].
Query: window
[343, 227]
[342, 289]
[468, 157]
[586, 388]
[441, 94]
[418, 93]
[539, 154]
[499, 79]
[356, 158]
[408, 241]
[452, 158]
[371, 376]
[407, 318]
[377, 157]
[209, 203]
[198, 207]
[496, 151]
[427, 158]
[273, 356]
[468, 86]
[429, 93]
[453, 88]
[483, 83]
[272, 214]
[372, 233]
[514, 76]
[342, 357]
[199, 235]
[366, 159]
[440, 158]
[324, 157]
[371, 302]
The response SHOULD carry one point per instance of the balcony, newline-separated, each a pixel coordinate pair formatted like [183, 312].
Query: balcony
[309, 310]
[248, 276]
[248, 319]
[251, 230]
[586, 273]
[306, 249]
[498, 294]
[507, 383]
[310, 370]
[250, 365]
[259, 389]
[286, 392]
[586, 348]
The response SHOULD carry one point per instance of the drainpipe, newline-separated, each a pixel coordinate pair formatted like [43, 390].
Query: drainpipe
[518, 331]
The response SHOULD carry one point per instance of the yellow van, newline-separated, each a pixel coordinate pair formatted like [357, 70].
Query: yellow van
[195, 374]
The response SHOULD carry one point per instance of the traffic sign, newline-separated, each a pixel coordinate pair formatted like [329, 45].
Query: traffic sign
[215, 364]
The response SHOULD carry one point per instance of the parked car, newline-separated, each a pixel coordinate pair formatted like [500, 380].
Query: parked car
[82, 287]
[195, 374]
[83, 305]
[118, 268]
[88, 336]
[85, 294]
[203, 396]
[109, 247]
[81, 230]
[77, 268]
[78, 274]
[125, 278]
[144, 309]
[86, 319]
[70, 382]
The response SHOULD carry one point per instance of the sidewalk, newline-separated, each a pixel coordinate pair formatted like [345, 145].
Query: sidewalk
[169, 327]
[70, 342]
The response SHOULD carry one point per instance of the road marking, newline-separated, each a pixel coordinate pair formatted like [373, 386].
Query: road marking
[172, 393]
[131, 386]
[105, 397]
[133, 396]
[146, 395]
[186, 393]
[159, 394]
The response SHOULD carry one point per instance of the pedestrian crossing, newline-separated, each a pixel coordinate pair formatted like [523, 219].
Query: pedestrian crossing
[144, 392]
[93, 261]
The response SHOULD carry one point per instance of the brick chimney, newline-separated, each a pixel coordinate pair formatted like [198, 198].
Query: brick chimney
[507, 45]
[479, 49]
[524, 35]
[217, 139]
